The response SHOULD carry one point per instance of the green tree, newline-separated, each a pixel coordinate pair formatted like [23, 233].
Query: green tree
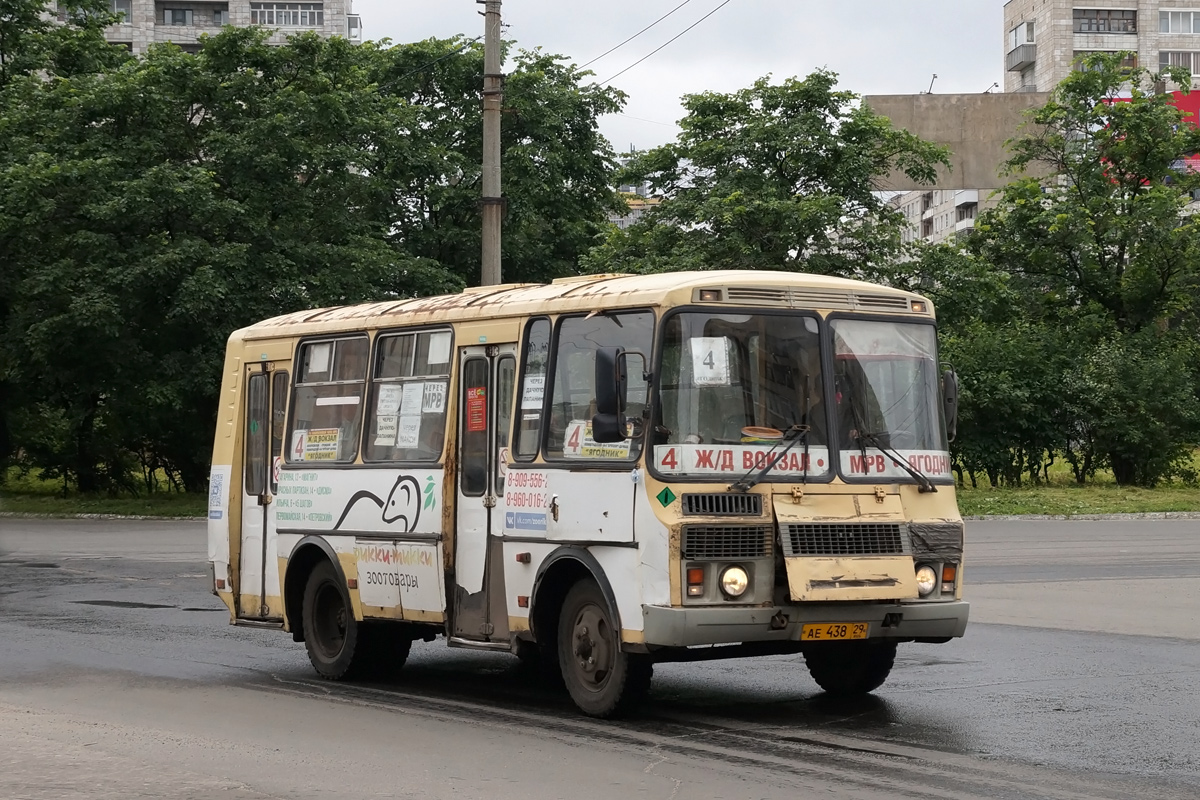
[1098, 244]
[34, 48]
[157, 206]
[774, 176]
[557, 168]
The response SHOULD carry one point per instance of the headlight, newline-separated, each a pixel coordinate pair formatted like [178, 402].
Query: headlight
[734, 581]
[926, 579]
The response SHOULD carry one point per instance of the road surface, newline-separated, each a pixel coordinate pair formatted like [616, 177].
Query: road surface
[120, 677]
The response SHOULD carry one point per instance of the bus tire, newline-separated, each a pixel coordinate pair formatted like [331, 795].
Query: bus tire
[848, 669]
[333, 638]
[603, 680]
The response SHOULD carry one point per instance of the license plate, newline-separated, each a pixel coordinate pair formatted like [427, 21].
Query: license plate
[834, 631]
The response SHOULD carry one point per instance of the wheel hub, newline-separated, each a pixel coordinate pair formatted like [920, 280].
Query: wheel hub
[590, 645]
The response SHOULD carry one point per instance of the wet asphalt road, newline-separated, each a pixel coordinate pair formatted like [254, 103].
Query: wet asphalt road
[120, 676]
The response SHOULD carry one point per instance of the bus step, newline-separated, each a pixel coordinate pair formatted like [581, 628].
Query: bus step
[470, 644]
[259, 623]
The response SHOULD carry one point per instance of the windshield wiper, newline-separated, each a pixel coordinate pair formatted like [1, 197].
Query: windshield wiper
[923, 483]
[864, 437]
[796, 432]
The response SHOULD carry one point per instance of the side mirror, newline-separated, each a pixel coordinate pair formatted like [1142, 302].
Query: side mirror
[611, 387]
[950, 402]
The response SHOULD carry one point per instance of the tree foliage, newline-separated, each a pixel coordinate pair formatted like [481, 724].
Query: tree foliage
[148, 209]
[1080, 288]
[774, 176]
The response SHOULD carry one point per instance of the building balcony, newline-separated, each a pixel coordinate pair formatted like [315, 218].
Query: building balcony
[1024, 56]
[354, 28]
[965, 196]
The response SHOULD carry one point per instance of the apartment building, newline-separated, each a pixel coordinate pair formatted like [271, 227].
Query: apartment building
[939, 215]
[1044, 39]
[146, 22]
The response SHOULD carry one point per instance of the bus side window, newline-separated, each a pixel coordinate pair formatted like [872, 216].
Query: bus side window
[327, 401]
[573, 395]
[533, 389]
[407, 408]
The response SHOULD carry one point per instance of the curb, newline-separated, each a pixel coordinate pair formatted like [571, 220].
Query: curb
[1146, 515]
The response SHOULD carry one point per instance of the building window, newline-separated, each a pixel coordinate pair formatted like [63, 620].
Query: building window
[1105, 20]
[1179, 59]
[1176, 22]
[177, 16]
[288, 15]
[1128, 62]
[220, 17]
[120, 7]
[1022, 34]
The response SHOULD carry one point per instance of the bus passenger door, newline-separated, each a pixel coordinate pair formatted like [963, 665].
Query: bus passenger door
[258, 573]
[487, 376]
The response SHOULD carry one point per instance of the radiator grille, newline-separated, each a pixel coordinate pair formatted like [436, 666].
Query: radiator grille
[723, 504]
[727, 541]
[843, 539]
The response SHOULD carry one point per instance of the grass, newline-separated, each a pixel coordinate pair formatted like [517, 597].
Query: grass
[29, 495]
[1063, 496]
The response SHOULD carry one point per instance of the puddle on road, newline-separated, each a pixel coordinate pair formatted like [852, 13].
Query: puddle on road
[119, 604]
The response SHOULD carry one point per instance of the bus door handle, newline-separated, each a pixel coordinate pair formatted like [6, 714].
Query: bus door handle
[554, 507]
[265, 499]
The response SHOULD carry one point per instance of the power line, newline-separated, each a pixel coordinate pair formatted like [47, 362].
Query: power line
[455, 52]
[664, 44]
[639, 33]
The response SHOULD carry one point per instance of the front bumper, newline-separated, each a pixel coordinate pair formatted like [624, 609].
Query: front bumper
[684, 627]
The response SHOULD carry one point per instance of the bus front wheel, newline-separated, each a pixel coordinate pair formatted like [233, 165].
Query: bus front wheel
[846, 669]
[603, 680]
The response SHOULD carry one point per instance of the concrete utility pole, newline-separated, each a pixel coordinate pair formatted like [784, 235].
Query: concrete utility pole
[493, 96]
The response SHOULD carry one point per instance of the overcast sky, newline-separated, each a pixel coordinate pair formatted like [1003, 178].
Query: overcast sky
[876, 46]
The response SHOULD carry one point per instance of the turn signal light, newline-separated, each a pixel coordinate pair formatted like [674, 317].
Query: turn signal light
[710, 295]
[695, 579]
[949, 571]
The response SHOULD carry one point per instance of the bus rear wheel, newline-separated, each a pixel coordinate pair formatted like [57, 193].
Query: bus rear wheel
[847, 669]
[603, 680]
[339, 646]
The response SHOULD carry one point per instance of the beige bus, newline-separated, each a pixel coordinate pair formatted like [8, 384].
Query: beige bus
[596, 474]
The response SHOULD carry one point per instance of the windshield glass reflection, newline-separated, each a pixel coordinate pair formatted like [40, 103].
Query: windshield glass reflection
[887, 391]
[732, 387]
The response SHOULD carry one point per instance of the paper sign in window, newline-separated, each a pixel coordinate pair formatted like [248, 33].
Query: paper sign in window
[321, 445]
[414, 395]
[318, 357]
[533, 391]
[388, 402]
[385, 430]
[476, 409]
[439, 347]
[434, 401]
[710, 361]
[408, 431]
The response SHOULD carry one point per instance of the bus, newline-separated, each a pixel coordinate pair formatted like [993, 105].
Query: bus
[595, 475]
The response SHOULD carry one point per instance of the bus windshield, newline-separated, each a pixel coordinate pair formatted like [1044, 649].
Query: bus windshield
[733, 386]
[887, 396]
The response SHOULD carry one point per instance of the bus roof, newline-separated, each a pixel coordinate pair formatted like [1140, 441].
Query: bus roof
[588, 292]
